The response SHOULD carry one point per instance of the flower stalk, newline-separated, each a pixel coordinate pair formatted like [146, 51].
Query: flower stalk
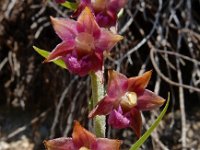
[97, 83]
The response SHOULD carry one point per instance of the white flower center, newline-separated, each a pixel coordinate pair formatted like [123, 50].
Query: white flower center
[129, 100]
[84, 148]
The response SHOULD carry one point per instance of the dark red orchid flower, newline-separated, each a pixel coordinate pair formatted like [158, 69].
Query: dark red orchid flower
[83, 43]
[82, 140]
[125, 99]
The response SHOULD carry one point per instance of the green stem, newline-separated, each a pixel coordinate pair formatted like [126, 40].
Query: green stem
[97, 95]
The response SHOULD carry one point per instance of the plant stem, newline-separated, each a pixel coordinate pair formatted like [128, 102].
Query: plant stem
[97, 83]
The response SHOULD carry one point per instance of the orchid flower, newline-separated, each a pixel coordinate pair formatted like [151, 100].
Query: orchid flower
[82, 140]
[105, 10]
[83, 43]
[125, 99]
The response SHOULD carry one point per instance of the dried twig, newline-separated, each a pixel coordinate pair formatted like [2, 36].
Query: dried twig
[58, 107]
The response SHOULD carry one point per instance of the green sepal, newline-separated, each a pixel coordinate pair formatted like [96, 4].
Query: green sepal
[45, 54]
[70, 5]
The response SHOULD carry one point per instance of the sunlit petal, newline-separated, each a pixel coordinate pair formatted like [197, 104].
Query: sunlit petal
[59, 144]
[107, 40]
[65, 28]
[81, 137]
[106, 144]
[117, 84]
[87, 23]
[60, 50]
[139, 83]
[149, 100]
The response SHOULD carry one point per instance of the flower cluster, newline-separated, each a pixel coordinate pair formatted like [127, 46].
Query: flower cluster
[84, 43]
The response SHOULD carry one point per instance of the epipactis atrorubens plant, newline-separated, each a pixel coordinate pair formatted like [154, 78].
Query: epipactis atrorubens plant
[84, 43]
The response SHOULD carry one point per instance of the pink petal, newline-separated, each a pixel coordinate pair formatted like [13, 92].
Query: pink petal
[104, 107]
[136, 121]
[149, 100]
[117, 84]
[81, 137]
[87, 23]
[84, 65]
[107, 40]
[61, 50]
[59, 144]
[138, 84]
[65, 28]
[106, 144]
[117, 119]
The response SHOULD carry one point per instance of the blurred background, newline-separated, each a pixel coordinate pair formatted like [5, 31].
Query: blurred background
[40, 101]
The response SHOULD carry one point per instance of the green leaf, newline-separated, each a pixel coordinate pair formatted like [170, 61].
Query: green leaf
[150, 130]
[70, 5]
[45, 53]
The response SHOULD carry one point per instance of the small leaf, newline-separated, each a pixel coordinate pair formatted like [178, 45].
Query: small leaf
[150, 130]
[45, 53]
[70, 5]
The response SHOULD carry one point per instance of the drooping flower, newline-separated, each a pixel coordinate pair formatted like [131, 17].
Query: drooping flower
[82, 140]
[125, 99]
[105, 10]
[83, 43]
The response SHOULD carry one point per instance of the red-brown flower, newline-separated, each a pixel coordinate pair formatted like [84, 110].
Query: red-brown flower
[104, 10]
[83, 43]
[125, 98]
[82, 140]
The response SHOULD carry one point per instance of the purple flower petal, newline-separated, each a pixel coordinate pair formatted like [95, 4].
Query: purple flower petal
[117, 119]
[106, 144]
[60, 144]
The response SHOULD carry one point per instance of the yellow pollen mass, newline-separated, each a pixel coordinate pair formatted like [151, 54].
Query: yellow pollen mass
[129, 100]
[84, 148]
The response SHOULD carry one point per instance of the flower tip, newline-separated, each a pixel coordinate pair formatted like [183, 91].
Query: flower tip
[149, 73]
[53, 20]
[161, 101]
[119, 37]
[111, 73]
[92, 113]
[87, 9]
[76, 123]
